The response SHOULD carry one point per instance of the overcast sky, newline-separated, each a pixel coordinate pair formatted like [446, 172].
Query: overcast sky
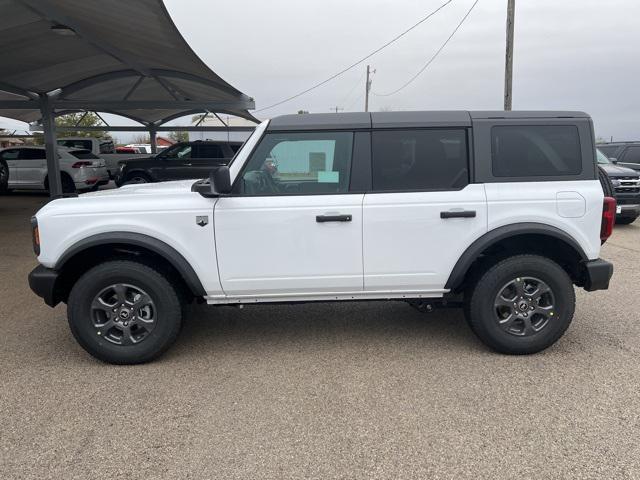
[569, 54]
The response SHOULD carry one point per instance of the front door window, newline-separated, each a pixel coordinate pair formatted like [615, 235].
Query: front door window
[299, 163]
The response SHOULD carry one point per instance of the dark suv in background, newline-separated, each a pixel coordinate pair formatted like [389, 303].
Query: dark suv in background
[626, 154]
[626, 188]
[184, 160]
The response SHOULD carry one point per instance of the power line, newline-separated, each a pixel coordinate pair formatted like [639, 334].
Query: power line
[353, 89]
[433, 57]
[394, 39]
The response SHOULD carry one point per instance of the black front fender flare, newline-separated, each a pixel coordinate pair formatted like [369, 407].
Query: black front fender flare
[159, 247]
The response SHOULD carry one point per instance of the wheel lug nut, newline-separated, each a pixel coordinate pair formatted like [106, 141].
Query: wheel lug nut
[126, 323]
[525, 314]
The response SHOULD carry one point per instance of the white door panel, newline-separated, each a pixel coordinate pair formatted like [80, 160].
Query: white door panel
[274, 245]
[550, 203]
[408, 246]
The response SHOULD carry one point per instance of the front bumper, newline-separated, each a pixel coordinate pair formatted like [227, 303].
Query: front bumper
[596, 274]
[628, 211]
[43, 282]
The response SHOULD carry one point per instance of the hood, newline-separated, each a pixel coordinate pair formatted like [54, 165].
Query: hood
[618, 171]
[162, 188]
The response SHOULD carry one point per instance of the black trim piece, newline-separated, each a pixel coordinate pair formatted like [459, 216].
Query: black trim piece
[458, 214]
[476, 248]
[597, 274]
[129, 238]
[333, 218]
[42, 281]
[360, 180]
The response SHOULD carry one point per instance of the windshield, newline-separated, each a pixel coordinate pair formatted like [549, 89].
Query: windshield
[601, 157]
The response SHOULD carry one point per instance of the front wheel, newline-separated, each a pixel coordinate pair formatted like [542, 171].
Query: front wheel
[521, 305]
[124, 312]
[135, 178]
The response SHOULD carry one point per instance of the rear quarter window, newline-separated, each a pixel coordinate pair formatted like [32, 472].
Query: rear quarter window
[535, 150]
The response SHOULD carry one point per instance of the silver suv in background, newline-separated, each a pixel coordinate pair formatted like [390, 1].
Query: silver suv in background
[26, 168]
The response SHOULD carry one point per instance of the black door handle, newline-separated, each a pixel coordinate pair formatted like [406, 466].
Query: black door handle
[333, 218]
[458, 214]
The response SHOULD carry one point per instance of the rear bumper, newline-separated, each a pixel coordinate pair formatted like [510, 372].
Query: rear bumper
[43, 281]
[597, 274]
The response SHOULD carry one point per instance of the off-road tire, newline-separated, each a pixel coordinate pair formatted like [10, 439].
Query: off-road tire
[167, 310]
[480, 308]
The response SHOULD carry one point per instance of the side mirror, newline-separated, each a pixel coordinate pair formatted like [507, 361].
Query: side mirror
[613, 160]
[220, 181]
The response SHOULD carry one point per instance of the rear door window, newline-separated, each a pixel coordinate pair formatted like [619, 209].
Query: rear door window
[419, 159]
[535, 150]
[205, 150]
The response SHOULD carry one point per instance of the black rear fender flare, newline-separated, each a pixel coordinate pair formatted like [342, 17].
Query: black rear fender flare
[471, 254]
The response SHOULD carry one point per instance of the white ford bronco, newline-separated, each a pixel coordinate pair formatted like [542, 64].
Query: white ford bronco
[501, 213]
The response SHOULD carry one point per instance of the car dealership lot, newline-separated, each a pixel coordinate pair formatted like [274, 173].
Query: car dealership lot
[355, 390]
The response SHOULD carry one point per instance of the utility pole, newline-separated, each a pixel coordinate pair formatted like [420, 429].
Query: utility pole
[508, 60]
[367, 88]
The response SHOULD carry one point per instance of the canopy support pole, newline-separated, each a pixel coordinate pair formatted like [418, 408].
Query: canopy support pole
[153, 140]
[53, 163]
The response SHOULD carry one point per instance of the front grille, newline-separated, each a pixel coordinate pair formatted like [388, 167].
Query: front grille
[628, 185]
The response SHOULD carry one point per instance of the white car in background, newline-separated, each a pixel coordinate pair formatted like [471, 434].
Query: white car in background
[80, 169]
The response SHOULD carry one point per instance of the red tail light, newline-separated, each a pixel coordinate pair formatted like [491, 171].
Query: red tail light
[81, 164]
[608, 218]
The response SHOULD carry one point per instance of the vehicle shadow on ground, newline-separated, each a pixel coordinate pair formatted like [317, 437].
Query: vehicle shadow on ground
[310, 325]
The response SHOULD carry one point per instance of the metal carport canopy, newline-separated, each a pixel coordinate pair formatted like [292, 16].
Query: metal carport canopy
[126, 58]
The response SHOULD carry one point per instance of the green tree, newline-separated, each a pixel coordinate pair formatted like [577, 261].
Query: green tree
[79, 119]
[179, 136]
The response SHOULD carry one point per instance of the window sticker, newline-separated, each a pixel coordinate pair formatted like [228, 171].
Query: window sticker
[328, 177]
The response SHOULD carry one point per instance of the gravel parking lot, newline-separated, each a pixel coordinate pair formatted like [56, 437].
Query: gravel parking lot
[351, 390]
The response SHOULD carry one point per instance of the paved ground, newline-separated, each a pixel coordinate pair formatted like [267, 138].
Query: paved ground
[370, 390]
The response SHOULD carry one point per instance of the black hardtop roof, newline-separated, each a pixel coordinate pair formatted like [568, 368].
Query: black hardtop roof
[428, 118]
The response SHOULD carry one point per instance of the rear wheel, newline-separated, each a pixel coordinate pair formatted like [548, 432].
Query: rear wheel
[68, 186]
[521, 305]
[124, 312]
